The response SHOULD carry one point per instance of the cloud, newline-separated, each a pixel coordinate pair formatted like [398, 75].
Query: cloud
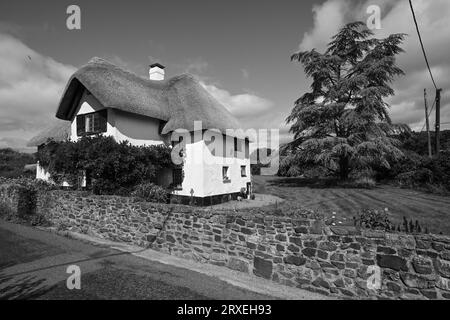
[245, 74]
[197, 67]
[31, 85]
[244, 106]
[407, 106]
[326, 18]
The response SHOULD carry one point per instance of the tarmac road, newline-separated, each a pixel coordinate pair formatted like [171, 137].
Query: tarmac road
[33, 265]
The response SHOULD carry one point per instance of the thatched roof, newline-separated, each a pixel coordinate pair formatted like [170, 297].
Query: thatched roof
[58, 131]
[180, 100]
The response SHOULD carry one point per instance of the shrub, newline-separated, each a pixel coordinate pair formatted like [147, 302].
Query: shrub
[175, 200]
[12, 163]
[5, 211]
[27, 190]
[373, 219]
[109, 167]
[151, 192]
[420, 172]
[411, 226]
[362, 182]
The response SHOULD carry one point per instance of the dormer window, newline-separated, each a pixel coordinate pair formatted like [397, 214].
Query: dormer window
[92, 123]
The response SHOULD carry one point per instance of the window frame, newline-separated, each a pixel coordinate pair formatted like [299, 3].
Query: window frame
[244, 174]
[96, 116]
[225, 174]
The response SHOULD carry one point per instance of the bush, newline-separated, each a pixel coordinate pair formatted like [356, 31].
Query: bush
[12, 163]
[5, 211]
[373, 219]
[109, 167]
[29, 183]
[419, 172]
[27, 190]
[151, 192]
[361, 182]
[243, 193]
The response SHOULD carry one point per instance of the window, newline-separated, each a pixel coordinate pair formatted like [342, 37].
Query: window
[92, 123]
[247, 148]
[243, 171]
[225, 176]
[237, 146]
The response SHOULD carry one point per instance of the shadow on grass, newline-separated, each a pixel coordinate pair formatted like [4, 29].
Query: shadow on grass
[22, 288]
[319, 183]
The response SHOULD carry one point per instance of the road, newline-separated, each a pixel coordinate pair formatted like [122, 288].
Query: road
[33, 265]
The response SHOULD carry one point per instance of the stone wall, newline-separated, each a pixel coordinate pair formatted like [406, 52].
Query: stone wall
[294, 251]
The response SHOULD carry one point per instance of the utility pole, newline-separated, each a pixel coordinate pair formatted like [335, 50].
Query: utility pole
[427, 122]
[438, 121]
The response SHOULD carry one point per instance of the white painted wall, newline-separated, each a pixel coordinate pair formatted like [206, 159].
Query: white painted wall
[213, 182]
[41, 173]
[203, 170]
[138, 130]
[193, 170]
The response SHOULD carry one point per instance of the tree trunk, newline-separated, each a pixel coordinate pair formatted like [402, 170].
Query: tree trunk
[344, 169]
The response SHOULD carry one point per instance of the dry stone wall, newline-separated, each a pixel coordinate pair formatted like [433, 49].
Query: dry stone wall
[294, 251]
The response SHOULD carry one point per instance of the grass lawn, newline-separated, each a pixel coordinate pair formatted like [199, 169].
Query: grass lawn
[431, 210]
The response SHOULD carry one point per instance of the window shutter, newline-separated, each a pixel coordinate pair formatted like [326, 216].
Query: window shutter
[80, 125]
[103, 119]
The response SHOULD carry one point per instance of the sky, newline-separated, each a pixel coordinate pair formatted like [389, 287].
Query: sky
[240, 51]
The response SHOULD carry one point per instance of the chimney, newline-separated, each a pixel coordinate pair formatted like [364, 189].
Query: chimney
[156, 72]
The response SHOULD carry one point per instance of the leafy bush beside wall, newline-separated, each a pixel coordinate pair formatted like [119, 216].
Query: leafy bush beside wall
[110, 167]
[151, 192]
[12, 163]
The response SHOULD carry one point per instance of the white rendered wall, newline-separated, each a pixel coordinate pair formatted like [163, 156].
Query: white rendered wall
[193, 170]
[138, 130]
[213, 165]
[203, 170]
[41, 173]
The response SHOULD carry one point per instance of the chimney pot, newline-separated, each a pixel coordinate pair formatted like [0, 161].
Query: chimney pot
[156, 72]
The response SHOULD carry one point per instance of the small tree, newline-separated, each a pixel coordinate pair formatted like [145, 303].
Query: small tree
[343, 122]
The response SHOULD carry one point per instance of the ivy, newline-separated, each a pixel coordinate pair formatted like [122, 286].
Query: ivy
[109, 167]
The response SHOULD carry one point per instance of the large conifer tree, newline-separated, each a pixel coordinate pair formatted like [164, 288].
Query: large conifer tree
[343, 122]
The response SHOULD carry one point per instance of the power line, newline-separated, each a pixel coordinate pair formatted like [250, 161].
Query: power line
[421, 43]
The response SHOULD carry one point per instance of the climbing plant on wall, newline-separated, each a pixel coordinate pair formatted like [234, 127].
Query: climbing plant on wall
[108, 166]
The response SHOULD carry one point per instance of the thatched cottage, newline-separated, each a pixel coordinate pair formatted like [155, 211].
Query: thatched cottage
[101, 98]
